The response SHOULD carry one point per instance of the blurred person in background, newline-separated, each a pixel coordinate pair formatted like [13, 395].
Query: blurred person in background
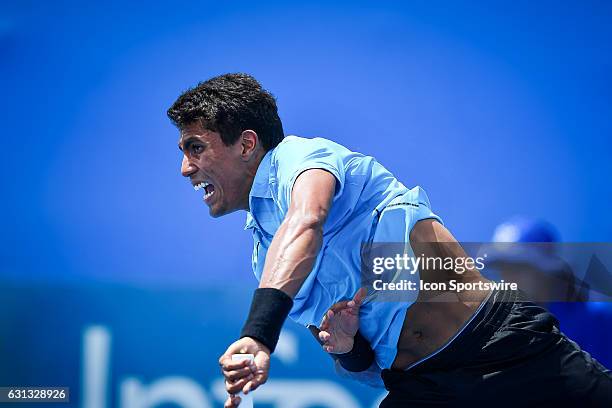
[553, 283]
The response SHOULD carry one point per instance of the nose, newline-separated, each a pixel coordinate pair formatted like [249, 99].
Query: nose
[187, 169]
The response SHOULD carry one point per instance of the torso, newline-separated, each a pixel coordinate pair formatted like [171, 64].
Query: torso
[434, 319]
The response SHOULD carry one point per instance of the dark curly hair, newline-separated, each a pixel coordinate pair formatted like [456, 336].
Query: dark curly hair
[229, 104]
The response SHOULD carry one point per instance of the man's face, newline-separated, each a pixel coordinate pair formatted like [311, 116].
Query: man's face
[217, 171]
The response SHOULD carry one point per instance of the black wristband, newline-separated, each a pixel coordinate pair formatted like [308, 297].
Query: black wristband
[360, 357]
[269, 309]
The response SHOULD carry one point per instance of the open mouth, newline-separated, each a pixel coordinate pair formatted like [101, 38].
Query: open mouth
[208, 188]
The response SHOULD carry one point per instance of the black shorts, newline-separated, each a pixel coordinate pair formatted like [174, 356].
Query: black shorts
[511, 354]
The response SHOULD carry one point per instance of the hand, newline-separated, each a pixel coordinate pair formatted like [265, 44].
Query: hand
[340, 324]
[244, 375]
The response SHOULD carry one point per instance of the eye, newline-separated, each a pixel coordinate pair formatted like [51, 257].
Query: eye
[197, 149]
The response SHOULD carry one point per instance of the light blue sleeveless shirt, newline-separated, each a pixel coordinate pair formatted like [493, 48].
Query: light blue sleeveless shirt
[360, 213]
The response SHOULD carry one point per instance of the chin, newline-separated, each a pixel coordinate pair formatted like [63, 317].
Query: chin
[216, 212]
[220, 212]
[213, 213]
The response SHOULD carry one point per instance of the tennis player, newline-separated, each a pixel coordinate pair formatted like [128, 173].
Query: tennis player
[311, 206]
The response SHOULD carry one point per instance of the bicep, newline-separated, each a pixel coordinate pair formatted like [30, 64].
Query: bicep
[312, 195]
[432, 239]
[430, 230]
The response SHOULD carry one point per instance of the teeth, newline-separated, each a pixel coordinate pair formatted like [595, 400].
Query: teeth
[201, 185]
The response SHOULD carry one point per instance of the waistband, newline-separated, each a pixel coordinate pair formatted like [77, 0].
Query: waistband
[472, 338]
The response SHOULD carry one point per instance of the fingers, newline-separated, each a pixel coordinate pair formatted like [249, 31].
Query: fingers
[358, 298]
[328, 348]
[328, 343]
[356, 301]
[255, 382]
[259, 375]
[327, 320]
[227, 364]
[223, 359]
[232, 401]
[236, 386]
[339, 306]
[235, 375]
[361, 294]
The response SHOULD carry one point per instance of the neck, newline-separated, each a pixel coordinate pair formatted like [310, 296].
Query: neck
[252, 167]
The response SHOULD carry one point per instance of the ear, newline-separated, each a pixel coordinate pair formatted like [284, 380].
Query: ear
[249, 142]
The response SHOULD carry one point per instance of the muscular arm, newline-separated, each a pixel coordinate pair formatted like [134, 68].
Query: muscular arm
[432, 239]
[297, 242]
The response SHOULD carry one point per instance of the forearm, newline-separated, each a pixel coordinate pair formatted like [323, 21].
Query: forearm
[291, 256]
[293, 252]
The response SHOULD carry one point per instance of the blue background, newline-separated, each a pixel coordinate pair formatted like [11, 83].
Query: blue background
[495, 109]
